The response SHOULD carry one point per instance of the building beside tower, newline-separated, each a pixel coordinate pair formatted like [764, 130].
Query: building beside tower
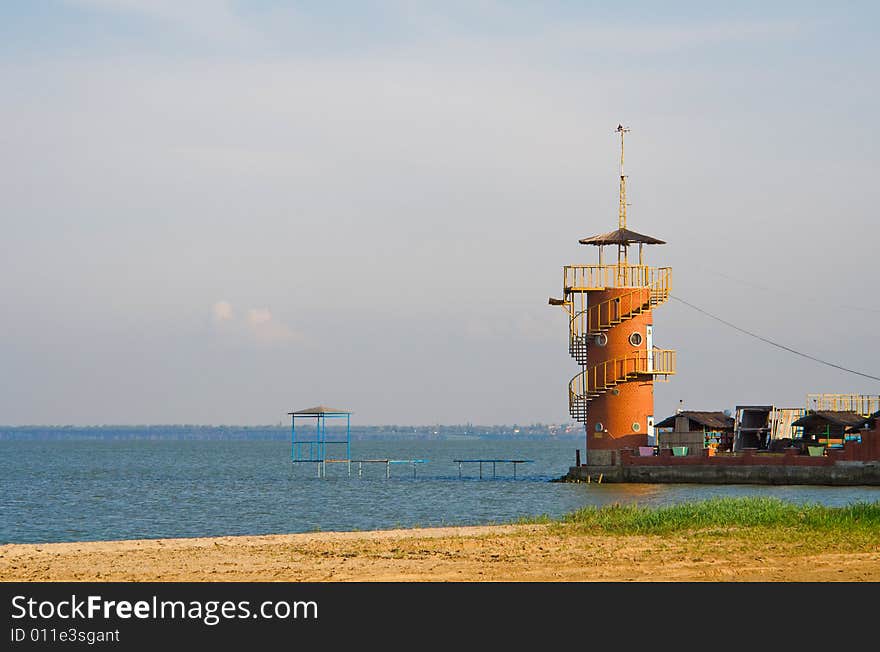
[611, 336]
[835, 440]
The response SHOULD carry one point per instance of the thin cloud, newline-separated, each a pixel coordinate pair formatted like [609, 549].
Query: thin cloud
[259, 316]
[222, 311]
[257, 324]
[657, 39]
[265, 328]
[200, 18]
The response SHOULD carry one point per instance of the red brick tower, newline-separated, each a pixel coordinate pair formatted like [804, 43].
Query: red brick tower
[611, 337]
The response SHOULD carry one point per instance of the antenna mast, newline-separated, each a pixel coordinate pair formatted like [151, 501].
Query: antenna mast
[621, 213]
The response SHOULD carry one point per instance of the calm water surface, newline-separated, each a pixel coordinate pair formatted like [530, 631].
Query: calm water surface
[94, 490]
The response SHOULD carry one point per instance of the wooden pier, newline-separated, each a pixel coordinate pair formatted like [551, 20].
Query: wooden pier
[321, 465]
[493, 462]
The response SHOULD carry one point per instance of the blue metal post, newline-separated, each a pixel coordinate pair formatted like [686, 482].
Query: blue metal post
[348, 436]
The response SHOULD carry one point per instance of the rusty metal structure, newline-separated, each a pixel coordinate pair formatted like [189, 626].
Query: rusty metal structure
[610, 323]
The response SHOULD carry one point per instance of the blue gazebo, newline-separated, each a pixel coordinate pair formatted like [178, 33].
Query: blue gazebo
[315, 450]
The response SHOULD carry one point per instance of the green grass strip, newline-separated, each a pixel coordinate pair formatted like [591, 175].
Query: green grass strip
[859, 517]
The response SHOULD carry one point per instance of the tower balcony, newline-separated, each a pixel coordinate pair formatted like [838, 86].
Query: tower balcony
[587, 278]
[646, 287]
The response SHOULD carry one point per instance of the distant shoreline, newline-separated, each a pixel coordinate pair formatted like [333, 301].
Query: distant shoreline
[178, 432]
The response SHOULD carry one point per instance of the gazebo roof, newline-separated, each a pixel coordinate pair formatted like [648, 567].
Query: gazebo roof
[320, 409]
[820, 417]
[620, 237]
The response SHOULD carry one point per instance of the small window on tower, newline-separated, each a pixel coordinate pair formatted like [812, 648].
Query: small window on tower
[636, 426]
[601, 339]
[635, 339]
[599, 427]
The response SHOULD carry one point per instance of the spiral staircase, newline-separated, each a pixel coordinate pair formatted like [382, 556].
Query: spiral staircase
[599, 318]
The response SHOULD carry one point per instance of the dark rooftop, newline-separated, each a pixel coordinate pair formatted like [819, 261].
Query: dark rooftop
[620, 237]
[818, 417]
[709, 419]
[867, 422]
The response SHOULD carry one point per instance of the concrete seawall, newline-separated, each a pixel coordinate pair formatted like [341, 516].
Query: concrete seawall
[839, 473]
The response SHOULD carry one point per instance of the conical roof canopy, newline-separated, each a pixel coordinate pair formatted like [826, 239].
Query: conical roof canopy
[620, 237]
[321, 409]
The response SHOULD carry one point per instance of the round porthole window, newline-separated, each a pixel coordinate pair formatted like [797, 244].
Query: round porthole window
[635, 339]
[599, 427]
[636, 426]
[601, 339]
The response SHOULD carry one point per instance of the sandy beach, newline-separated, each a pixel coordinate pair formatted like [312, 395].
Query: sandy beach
[518, 553]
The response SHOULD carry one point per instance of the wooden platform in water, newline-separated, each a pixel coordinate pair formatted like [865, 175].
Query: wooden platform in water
[491, 461]
[322, 464]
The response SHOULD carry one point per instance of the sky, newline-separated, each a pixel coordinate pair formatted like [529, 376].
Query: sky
[218, 212]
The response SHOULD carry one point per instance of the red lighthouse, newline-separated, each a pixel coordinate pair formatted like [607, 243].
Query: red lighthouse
[611, 335]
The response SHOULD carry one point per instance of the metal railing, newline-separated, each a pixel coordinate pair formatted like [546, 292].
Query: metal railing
[599, 318]
[602, 316]
[863, 404]
[580, 278]
[600, 378]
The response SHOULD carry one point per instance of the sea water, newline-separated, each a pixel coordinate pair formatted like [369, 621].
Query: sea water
[86, 490]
